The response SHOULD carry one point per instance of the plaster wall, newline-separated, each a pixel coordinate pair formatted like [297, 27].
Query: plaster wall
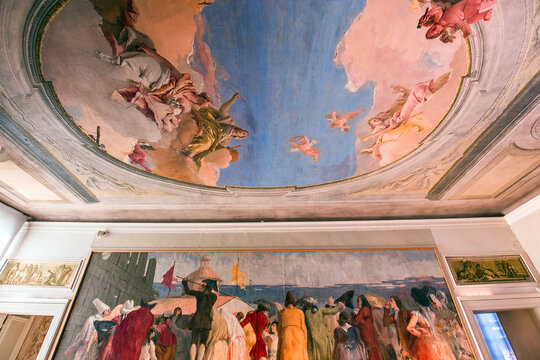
[11, 222]
[459, 237]
[525, 223]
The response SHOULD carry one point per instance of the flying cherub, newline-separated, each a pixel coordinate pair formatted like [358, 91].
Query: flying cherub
[340, 121]
[303, 144]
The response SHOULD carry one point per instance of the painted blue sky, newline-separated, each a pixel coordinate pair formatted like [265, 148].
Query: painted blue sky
[307, 268]
[279, 55]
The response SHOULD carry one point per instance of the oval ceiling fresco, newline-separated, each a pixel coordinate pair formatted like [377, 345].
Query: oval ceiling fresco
[258, 93]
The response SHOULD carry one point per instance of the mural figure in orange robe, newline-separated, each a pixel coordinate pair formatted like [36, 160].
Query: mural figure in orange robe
[292, 332]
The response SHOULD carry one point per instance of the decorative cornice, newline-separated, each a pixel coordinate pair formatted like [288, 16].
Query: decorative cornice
[40, 156]
[289, 227]
[523, 104]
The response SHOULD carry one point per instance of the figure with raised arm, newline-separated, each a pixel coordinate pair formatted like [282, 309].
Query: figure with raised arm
[390, 125]
[201, 322]
[216, 130]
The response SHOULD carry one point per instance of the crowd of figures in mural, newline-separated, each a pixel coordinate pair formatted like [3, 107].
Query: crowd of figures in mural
[359, 98]
[409, 317]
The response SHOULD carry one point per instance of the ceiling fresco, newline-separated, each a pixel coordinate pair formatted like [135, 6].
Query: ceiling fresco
[257, 93]
[187, 110]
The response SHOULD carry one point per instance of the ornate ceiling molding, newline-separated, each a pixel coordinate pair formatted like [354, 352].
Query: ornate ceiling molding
[486, 108]
[528, 100]
[38, 155]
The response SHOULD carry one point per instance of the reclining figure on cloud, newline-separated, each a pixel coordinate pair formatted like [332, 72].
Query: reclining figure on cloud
[390, 125]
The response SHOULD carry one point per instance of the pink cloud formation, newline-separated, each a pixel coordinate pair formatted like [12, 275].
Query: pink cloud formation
[384, 47]
[212, 165]
[170, 25]
[399, 54]
[203, 62]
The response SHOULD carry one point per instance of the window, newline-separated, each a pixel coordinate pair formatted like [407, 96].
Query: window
[495, 337]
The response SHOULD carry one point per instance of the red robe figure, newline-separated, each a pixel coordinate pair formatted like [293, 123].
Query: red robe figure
[458, 17]
[138, 156]
[166, 345]
[258, 321]
[106, 339]
[129, 336]
[105, 346]
[363, 320]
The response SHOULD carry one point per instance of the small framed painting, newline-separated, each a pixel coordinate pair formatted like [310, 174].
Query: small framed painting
[37, 273]
[490, 269]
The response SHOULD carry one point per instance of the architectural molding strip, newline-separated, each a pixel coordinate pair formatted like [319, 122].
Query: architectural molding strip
[264, 227]
[527, 100]
[500, 174]
[39, 155]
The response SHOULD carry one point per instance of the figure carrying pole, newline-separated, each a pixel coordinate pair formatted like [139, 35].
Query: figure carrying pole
[201, 322]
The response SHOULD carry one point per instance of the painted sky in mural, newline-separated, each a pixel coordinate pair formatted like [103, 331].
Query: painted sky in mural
[296, 267]
[253, 93]
[270, 274]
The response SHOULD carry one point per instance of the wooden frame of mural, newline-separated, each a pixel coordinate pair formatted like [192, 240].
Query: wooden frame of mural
[147, 288]
[480, 270]
[40, 273]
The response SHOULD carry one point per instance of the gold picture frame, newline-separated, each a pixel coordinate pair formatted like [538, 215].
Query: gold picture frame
[27, 273]
[481, 270]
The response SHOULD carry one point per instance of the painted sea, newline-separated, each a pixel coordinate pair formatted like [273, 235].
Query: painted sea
[252, 293]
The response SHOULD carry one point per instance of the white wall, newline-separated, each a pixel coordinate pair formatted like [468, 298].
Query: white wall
[11, 222]
[460, 237]
[525, 223]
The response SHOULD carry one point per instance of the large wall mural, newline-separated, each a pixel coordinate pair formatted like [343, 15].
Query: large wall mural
[259, 93]
[289, 305]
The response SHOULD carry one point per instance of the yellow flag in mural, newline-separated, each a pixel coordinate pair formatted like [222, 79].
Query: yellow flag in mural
[238, 277]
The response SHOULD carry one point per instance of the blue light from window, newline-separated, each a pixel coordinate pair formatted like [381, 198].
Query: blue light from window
[495, 337]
